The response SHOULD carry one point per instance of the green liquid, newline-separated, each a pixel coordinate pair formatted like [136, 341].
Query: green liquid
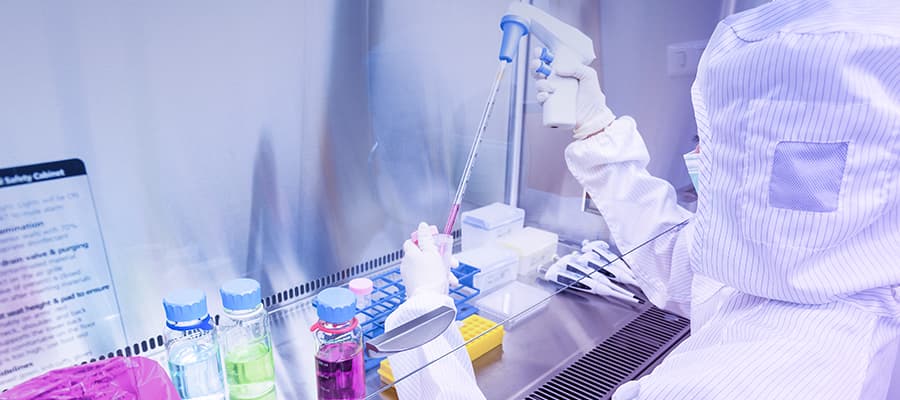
[250, 372]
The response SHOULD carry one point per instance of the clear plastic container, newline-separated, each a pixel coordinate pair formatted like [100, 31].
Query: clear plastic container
[340, 370]
[517, 301]
[246, 344]
[362, 288]
[192, 347]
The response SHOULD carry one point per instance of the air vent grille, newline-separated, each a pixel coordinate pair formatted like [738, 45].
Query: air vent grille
[619, 359]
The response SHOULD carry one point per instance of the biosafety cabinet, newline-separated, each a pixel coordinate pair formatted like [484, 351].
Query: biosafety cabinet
[146, 148]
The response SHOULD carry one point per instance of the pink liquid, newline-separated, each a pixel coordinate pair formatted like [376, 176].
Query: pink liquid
[340, 372]
[451, 219]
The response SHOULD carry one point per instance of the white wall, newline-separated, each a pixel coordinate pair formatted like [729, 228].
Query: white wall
[633, 41]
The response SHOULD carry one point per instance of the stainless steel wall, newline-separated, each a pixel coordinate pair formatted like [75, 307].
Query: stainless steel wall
[280, 140]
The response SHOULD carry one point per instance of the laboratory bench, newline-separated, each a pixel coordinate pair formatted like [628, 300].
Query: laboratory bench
[533, 350]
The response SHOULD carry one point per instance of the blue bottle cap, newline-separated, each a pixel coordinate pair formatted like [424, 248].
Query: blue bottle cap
[240, 294]
[336, 305]
[185, 305]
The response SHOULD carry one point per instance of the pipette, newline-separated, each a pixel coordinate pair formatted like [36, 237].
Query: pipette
[567, 272]
[567, 44]
[473, 151]
[514, 28]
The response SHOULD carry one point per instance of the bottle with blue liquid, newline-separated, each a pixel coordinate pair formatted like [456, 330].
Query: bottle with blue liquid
[246, 344]
[192, 347]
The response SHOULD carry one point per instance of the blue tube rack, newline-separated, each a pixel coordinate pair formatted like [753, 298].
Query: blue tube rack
[388, 293]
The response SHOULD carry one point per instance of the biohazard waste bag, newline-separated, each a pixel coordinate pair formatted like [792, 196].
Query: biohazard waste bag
[119, 378]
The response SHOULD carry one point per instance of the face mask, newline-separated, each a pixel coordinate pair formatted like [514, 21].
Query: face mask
[692, 162]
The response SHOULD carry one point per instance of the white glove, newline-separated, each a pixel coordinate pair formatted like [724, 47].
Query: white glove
[593, 115]
[451, 377]
[423, 268]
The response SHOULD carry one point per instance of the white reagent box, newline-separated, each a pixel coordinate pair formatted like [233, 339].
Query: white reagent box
[484, 225]
[499, 265]
[535, 248]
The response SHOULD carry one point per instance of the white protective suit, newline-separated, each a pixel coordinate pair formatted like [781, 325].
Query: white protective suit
[790, 268]
[791, 265]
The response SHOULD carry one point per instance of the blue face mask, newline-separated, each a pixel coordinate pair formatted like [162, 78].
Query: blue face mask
[692, 162]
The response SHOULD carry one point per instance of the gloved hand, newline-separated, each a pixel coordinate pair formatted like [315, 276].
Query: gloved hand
[592, 115]
[423, 268]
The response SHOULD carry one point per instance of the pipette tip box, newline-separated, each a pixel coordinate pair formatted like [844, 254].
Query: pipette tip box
[483, 225]
[498, 264]
[535, 247]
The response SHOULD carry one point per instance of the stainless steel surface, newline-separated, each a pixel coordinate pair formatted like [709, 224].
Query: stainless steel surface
[625, 356]
[282, 141]
[572, 324]
[430, 65]
[413, 334]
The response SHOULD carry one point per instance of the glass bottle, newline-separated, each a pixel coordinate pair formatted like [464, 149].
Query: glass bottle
[340, 371]
[191, 346]
[246, 344]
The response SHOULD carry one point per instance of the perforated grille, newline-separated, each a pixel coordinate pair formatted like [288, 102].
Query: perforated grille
[621, 358]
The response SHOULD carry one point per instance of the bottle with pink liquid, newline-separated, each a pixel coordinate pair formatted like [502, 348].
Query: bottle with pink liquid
[340, 372]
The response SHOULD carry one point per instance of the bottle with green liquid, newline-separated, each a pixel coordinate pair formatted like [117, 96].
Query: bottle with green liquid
[246, 344]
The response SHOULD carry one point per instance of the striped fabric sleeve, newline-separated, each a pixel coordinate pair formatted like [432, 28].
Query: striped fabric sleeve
[612, 167]
[451, 377]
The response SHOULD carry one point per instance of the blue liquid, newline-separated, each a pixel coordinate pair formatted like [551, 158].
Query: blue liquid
[196, 371]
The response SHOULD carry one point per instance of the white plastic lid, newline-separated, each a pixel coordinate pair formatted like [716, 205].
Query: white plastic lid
[487, 256]
[492, 216]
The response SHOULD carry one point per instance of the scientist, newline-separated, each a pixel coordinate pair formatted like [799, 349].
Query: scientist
[790, 268]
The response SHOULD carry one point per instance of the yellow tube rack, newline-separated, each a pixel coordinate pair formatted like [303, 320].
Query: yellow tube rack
[472, 326]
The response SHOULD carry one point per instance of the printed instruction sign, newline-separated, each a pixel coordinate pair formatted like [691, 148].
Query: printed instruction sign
[57, 301]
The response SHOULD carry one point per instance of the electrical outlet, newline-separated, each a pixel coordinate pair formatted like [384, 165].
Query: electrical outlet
[682, 58]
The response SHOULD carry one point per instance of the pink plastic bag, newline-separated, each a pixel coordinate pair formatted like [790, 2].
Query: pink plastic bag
[119, 378]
